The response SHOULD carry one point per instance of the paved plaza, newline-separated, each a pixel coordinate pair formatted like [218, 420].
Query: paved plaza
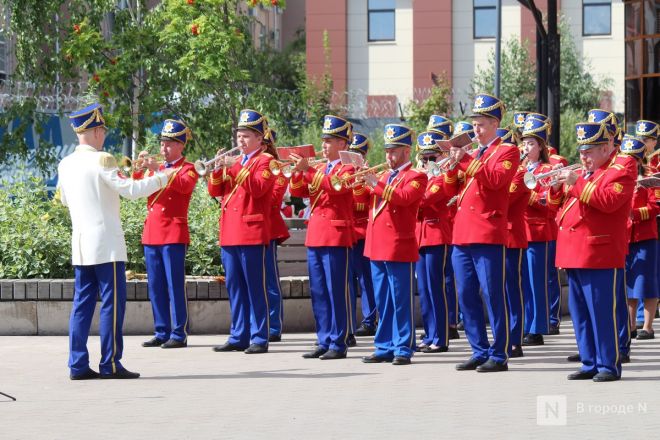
[195, 393]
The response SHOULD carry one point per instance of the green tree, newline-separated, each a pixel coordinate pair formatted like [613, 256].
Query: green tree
[438, 103]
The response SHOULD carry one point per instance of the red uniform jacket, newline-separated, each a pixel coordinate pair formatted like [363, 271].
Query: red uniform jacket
[167, 209]
[331, 212]
[654, 164]
[540, 214]
[278, 229]
[593, 221]
[518, 199]
[555, 159]
[246, 193]
[434, 219]
[483, 203]
[361, 198]
[643, 224]
[393, 215]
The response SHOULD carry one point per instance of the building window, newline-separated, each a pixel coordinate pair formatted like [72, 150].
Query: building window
[596, 17]
[485, 18]
[381, 20]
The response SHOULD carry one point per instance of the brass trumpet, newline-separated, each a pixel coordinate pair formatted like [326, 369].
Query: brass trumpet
[285, 167]
[203, 167]
[338, 182]
[128, 165]
[531, 180]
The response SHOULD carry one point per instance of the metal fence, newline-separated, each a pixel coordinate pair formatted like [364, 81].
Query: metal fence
[62, 97]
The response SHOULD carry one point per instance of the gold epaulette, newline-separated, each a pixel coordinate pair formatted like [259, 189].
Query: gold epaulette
[107, 161]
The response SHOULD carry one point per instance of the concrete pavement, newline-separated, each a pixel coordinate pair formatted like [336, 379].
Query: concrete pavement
[194, 393]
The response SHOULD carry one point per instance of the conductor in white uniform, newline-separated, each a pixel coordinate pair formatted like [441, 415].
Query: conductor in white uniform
[90, 186]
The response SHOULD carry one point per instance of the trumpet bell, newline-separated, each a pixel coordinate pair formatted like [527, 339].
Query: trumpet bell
[530, 180]
[201, 168]
[336, 183]
[126, 164]
[286, 171]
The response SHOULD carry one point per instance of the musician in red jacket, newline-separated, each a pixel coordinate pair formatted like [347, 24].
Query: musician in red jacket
[641, 261]
[433, 231]
[392, 247]
[592, 246]
[480, 234]
[649, 132]
[246, 187]
[165, 237]
[329, 238]
[279, 233]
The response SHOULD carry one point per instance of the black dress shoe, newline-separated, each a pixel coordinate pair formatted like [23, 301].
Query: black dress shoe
[516, 352]
[228, 346]
[373, 359]
[401, 360]
[173, 343]
[624, 358]
[554, 330]
[121, 374]
[533, 339]
[643, 334]
[574, 358]
[582, 375]
[432, 349]
[633, 334]
[470, 364]
[453, 333]
[154, 342]
[87, 375]
[256, 349]
[365, 330]
[492, 367]
[606, 377]
[274, 338]
[460, 326]
[350, 341]
[316, 353]
[331, 355]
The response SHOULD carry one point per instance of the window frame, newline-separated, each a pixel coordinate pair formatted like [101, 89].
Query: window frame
[598, 3]
[369, 11]
[474, 20]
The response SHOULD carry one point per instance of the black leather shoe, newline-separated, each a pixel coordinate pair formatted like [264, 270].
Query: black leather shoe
[633, 334]
[154, 342]
[554, 330]
[401, 360]
[373, 359]
[228, 346]
[624, 358]
[432, 349]
[470, 364]
[460, 326]
[350, 341]
[121, 374]
[574, 358]
[331, 355]
[605, 377]
[643, 334]
[533, 339]
[316, 353]
[173, 343]
[87, 375]
[582, 375]
[516, 352]
[275, 338]
[365, 330]
[453, 333]
[492, 367]
[256, 349]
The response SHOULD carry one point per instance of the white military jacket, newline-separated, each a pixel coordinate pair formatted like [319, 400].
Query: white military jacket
[90, 186]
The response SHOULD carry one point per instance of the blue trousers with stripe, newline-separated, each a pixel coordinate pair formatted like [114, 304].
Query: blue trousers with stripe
[641, 270]
[245, 272]
[450, 288]
[622, 315]
[166, 273]
[517, 280]
[537, 301]
[275, 305]
[362, 281]
[482, 265]
[554, 286]
[592, 303]
[108, 280]
[432, 294]
[328, 286]
[393, 287]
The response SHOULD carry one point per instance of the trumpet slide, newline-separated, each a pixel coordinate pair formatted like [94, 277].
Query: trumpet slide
[531, 180]
[202, 167]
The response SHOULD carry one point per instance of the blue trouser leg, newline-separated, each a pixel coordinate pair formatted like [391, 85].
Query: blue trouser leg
[84, 303]
[275, 305]
[592, 301]
[622, 315]
[431, 286]
[238, 303]
[362, 267]
[487, 261]
[174, 259]
[158, 291]
[384, 332]
[450, 289]
[516, 263]
[320, 296]
[554, 285]
[112, 285]
[538, 312]
[352, 293]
